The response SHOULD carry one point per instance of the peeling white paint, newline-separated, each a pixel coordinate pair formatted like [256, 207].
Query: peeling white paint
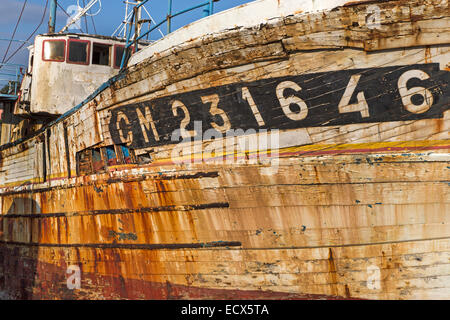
[244, 16]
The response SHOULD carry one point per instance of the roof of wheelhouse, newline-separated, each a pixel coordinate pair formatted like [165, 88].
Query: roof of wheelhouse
[84, 35]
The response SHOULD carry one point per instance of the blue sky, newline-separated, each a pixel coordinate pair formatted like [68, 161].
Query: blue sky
[109, 18]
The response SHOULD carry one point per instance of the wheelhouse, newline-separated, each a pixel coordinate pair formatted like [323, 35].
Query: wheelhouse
[65, 69]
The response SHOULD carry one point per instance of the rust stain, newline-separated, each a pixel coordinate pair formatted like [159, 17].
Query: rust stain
[332, 272]
[347, 292]
[428, 55]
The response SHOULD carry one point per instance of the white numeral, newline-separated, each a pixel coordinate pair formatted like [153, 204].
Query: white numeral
[185, 134]
[361, 106]
[214, 110]
[407, 94]
[286, 102]
[246, 95]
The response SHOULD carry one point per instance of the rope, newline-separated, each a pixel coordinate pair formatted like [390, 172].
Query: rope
[93, 23]
[32, 34]
[15, 29]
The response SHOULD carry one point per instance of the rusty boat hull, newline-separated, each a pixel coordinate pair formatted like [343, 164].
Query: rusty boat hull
[350, 200]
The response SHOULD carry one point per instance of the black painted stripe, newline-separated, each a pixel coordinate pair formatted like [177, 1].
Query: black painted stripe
[120, 211]
[320, 93]
[139, 246]
[197, 175]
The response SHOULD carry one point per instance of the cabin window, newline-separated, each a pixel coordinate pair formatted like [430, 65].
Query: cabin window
[101, 54]
[111, 155]
[54, 50]
[84, 162]
[119, 154]
[90, 161]
[145, 158]
[78, 52]
[118, 54]
[97, 160]
[126, 155]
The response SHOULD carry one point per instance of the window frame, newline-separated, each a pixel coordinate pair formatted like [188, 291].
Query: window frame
[78, 156]
[119, 159]
[88, 56]
[123, 46]
[102, 161]
[131, 154]
[54, 40]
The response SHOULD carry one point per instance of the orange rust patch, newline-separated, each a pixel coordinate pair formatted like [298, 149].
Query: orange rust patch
[332, 271]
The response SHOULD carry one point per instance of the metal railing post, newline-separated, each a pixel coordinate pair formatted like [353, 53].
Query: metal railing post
[17, 80]
[208, 9]
[127, 45]
[136, 28]
[169, 18]
[211, 7]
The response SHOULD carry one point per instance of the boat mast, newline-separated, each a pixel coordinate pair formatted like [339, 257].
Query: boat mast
[138, 15]
[138, 24]
[52, 20]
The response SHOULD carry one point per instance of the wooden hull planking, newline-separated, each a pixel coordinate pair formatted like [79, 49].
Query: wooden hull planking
[352, 203]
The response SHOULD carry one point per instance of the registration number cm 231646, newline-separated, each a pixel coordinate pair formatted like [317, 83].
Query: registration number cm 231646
[399, 93]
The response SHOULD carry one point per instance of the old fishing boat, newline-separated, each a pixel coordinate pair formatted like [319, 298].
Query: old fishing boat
[279, 150]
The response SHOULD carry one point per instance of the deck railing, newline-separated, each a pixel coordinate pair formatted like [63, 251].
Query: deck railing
[208, 10]
[10, 78]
